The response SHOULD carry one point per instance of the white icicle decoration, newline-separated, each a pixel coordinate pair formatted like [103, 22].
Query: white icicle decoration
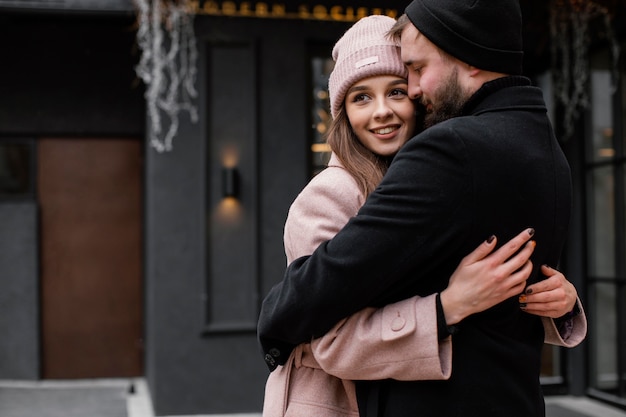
[167, 66]
[571, 39]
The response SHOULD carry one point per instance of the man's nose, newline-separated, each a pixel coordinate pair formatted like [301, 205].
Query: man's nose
[415, 91]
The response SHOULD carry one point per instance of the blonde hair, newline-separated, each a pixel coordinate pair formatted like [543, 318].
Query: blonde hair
[366, 167]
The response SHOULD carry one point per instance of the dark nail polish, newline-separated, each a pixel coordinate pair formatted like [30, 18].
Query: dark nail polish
[531, 231]
[490, 238]
[529, 291]
[522, 305]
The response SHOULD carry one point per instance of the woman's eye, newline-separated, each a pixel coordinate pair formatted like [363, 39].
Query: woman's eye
[399, 92]
[359, 97]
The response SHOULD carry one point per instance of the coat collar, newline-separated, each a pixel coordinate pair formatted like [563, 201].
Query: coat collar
[507, 92]
[334, 161]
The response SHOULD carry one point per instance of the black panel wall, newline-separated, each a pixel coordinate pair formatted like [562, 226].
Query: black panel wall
[232, 288]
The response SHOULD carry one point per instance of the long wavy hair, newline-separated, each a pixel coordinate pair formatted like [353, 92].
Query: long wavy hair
[366, 167]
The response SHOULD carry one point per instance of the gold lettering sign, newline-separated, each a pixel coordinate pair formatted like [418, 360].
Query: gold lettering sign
[279, 11]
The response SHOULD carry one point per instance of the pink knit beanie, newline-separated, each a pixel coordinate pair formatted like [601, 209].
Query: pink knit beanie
[363, 51]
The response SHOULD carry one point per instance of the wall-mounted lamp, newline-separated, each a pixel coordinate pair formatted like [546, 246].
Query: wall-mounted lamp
[230, 182]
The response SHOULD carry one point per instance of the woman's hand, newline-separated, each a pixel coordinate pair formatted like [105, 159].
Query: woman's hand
[484, 279]
[553, 297]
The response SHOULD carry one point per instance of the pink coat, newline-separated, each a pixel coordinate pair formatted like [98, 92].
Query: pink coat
[398, 341]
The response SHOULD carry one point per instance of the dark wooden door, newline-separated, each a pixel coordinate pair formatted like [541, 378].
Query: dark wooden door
[91, 271]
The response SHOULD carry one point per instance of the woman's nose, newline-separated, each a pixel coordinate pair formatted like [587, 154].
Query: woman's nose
[382, 109]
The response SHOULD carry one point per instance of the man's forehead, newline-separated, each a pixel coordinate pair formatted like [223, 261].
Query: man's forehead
[410, 33]
[412, 44]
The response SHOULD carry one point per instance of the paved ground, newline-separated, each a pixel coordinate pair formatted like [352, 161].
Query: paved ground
[98, 398]
[130, 398]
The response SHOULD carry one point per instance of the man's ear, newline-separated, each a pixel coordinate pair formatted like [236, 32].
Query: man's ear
[482, 76]
[473, 71]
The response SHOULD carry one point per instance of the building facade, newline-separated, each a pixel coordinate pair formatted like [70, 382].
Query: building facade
[119, 260]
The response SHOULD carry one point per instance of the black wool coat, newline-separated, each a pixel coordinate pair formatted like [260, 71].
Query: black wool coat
[493, 171]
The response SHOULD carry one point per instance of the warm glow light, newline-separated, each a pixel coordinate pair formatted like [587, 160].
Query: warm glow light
[606, 152]
[320, 147]
[322, 94]
[607, 132]
[229, 211]
[230, 157]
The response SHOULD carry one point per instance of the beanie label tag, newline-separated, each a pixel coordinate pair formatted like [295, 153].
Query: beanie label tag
[366, 61]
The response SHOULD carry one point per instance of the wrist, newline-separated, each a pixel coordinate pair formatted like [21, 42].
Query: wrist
[444, 330]
[453, 311]
[571, 314]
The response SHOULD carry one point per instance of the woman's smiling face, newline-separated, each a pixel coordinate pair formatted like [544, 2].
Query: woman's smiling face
[381, 113]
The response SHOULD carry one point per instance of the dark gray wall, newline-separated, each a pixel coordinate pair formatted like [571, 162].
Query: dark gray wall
[19, 294]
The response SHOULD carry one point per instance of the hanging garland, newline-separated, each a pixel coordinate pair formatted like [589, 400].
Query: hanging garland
[569, 31]
[167, 66]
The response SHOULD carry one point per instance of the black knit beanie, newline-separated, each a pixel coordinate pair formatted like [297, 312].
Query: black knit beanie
[486, 34]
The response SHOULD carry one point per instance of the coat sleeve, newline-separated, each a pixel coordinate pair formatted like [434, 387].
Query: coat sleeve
[569, 335]
[398, 341]
[400, 229]
[389, 342]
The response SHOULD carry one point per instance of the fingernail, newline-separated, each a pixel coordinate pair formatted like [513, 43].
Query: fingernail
[529, 290]
[531, 231]
[522, 299]
[522, 305]
[490, 238]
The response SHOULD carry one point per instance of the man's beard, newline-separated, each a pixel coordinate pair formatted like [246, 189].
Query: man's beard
[449, 101]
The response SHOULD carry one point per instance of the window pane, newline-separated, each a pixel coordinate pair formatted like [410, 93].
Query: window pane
[604, 341]
[321, 68]
[601, 223]
[602, 144]
[15, 169]
[622, 75]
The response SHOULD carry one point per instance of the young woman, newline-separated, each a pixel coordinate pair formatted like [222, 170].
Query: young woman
[373, 118]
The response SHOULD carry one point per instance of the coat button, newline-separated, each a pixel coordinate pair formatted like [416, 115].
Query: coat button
[274, 352]
[270, 360]
[397, 324]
